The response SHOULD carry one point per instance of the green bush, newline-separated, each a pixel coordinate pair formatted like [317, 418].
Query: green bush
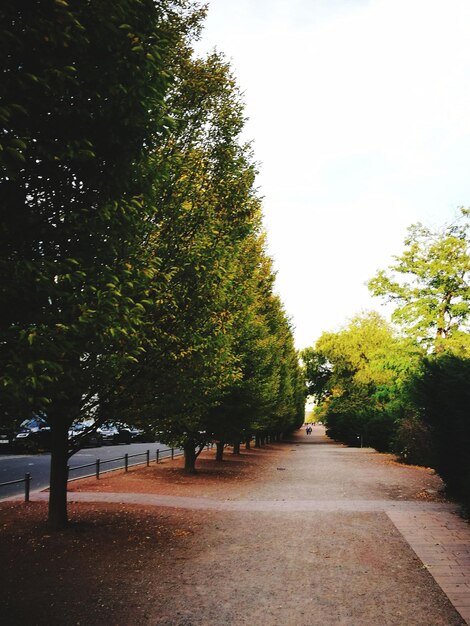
[442, 396]
[413, 442]
[380, 432]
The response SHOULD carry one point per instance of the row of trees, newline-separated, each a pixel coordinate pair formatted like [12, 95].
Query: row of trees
[406, 388]
[134, 279]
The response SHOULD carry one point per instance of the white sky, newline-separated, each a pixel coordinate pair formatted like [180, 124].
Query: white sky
[360, 115]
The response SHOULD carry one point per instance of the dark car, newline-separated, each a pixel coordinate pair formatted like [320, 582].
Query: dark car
[141, 435]
[6, 438]
[77, 433]
[115, 433]
[33, 435]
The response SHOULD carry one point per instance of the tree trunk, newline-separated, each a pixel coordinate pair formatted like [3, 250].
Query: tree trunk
[219, 455]
[190, 458]
[248, 443]
[236, 447]
[57, 518]
[257, 441]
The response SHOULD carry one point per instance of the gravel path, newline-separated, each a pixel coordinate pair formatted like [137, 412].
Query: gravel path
[311, 553]
[317, 540]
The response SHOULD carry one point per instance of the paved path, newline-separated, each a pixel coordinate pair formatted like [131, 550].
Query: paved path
[442, 542]
[274, 506]
[339, 499]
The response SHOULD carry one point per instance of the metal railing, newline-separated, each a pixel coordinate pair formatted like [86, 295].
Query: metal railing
[97, 465]
[27, 484]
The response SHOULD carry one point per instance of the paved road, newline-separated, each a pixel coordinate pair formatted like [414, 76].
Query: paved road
[15, 466]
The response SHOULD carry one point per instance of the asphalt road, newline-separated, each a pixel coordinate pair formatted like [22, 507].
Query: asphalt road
[15, 466]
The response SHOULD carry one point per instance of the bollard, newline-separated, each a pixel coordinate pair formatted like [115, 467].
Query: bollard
[97, 469]
[158, 455]
[172, 454]
[148, 458]
[126, 461]
[27, 481]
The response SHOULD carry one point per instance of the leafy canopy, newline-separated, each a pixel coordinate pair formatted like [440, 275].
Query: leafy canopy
[358, 377]
[429, 283]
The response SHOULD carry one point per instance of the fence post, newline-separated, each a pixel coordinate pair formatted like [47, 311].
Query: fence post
[97, 468]
[148, 458]
[126, 461]
[158, 455]
[172, 454]
[27, 481]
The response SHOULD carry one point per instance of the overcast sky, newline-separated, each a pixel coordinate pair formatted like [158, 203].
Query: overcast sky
[360, 116]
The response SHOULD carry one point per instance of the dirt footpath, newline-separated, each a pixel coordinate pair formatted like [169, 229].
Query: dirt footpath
[304, 533]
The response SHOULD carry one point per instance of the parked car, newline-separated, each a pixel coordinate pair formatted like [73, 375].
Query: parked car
[114, 433]
[34, 434]
[93, 439]
[6, 438]
[141, 435]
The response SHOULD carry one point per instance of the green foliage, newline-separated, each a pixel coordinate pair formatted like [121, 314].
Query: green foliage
[132, 267]
[318, 373]
[212, 349]
[441, 395]
[430, 283]
[83, 96]
[203, 208]
[264, 400]
[83, 86]
[359, 377]
[413, 441]
[430, 286]
[407, 395]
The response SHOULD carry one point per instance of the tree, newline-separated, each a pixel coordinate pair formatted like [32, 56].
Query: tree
[430, 283]
[204, 209]
[287, 410]
[209, 326]
[269, 397]
[359, 376]
[318, 372]
[83, 100]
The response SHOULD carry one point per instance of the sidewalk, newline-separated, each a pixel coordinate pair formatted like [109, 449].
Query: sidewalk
[330, 536]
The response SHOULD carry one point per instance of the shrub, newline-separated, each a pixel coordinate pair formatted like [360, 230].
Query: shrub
[413, 442]
[442, 396]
